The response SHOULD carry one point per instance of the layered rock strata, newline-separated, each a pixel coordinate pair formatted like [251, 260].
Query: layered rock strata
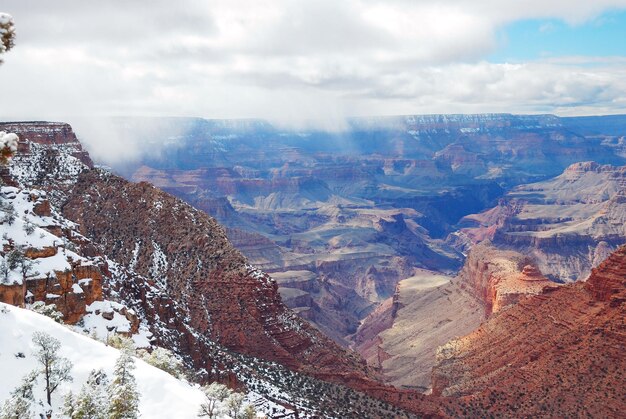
[553, 355]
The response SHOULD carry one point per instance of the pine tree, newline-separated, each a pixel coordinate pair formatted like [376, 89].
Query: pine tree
[18, 405]
[69, 405]
[54, 368]
[4, 271]
[92, 401]
[123, 393]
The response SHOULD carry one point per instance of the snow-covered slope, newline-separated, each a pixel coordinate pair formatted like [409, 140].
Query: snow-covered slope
[162, 396]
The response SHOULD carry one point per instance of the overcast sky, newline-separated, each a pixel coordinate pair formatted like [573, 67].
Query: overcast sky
[295, 60]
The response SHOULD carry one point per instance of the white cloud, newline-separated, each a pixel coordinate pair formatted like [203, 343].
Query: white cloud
[292, 60]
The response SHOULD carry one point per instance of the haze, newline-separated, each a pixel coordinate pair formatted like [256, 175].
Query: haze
[292, 62]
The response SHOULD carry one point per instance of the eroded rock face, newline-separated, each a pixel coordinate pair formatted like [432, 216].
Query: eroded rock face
[56, 134]
[401, 337]
[499, 278]
[68, 291]
[48, 268]
[558, 352]
[566, 225]
[362, 209]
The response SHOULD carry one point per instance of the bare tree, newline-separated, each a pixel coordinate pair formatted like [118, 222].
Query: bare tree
[214, 393]
[55, 369]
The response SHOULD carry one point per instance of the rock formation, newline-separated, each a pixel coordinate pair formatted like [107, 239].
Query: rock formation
[557, 354]
[565, 225]
[401, 337]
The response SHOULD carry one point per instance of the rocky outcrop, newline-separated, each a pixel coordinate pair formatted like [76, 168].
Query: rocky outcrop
[70, 291]
[43, 267]
[499, 278]
[57, 134]
[557, 354]
[607, 282]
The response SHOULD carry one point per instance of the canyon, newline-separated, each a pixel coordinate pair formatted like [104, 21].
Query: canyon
[339, 218]
[398, 244]
[171, 270]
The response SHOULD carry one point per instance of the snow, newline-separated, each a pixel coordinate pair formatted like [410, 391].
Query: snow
[161, 394]
[159, 265]
[15, 235]
[10, 139]
[85, 281]
[94, 323]
[143, 338]
[76, 289]
[5, 18]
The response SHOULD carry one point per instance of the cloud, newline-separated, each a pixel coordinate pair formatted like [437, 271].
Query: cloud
[292, 61]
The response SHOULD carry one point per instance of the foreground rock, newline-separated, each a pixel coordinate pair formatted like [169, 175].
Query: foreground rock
[558, 354]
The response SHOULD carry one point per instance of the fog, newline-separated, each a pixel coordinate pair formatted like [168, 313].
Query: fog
[299, 65]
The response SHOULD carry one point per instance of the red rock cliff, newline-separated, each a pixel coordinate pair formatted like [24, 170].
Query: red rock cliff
[555, 355]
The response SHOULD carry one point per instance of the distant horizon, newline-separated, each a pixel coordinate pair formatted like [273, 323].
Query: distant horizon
[295, 61]
[4, 120]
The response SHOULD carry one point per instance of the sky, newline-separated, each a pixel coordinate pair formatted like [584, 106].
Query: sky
[293, 61]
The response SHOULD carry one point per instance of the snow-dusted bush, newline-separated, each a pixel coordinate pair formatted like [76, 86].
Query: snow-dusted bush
[48, 310]
[7, 212]
[163, 359]
[120, 342]
[220, 400]
[29, 228]
[15, 258]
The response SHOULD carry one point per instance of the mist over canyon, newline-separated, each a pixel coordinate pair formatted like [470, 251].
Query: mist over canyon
[340, 218]
[411, 242]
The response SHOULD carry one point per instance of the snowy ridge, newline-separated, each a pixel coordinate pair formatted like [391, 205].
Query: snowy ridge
[47, 167]
[26, 231]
